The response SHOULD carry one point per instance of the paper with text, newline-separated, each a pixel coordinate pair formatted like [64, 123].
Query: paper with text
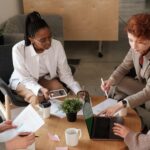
[55, 108]
[103, 105]
[27, 121]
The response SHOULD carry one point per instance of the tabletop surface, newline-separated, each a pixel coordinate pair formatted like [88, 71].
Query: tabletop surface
[56, 125]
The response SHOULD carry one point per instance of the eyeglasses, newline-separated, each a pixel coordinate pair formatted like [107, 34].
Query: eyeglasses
[44, 40]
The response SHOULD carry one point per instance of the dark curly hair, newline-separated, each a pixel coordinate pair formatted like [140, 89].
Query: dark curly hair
[139, 26]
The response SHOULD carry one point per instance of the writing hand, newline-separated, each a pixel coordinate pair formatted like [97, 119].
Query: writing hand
[105, 85]
[21, 142]
[110, 111]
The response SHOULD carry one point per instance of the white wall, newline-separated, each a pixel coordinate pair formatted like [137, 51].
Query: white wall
[9, 8]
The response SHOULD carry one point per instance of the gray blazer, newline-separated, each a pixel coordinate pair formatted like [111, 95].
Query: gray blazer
[137, 141]
[143, 75]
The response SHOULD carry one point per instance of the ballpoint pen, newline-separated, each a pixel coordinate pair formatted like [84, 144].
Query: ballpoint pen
[104, 90]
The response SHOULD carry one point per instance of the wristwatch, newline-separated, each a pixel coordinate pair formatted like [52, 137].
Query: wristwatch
[124, 102]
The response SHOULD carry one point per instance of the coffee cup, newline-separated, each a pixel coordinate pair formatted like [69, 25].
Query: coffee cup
[45, 109]
[123, 112]
[72, 136]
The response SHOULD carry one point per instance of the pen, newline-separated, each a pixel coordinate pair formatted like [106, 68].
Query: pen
[103, 84]
[22, 135]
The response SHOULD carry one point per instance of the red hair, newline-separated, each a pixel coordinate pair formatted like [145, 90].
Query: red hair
[139, 26]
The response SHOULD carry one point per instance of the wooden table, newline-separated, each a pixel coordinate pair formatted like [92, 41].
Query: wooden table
[57, 126]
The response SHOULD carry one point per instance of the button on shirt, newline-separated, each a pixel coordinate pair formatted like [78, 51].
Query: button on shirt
[42, 66]
[29, 66]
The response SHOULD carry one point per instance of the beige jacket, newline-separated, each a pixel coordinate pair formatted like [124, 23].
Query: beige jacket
[137, 141]
[143, 75]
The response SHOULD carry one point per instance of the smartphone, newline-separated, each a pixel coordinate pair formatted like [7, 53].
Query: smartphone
[57, 93]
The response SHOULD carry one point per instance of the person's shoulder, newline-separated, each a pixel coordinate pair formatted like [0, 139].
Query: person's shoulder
[19, 45]
[55, 42]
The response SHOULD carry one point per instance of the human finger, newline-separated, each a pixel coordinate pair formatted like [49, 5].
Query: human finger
[24, 133]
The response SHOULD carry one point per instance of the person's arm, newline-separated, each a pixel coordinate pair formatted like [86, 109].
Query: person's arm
[20, 142]
[64, 70]
[110, 111]
[19, 62]
[137, 141]
[115, 78]
[122, 69]
[140, 97]
[133, 140]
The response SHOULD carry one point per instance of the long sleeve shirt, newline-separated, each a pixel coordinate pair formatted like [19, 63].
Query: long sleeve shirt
[143, 74]
[137, 141]
[27, 66]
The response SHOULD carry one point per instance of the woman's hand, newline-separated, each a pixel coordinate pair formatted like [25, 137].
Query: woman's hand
[106, 85]
[45, 92]
[6, 125]
[20, 142]
[120, 130]
[110, 111]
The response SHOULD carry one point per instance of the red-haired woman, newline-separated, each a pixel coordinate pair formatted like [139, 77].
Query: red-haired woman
[133, 91]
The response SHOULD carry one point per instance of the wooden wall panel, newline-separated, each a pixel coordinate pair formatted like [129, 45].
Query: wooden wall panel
[83, 19]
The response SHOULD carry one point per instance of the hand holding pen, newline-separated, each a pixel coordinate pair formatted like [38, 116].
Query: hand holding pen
[105, 86]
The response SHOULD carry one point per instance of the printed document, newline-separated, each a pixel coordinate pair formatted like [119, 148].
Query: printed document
[27, 121]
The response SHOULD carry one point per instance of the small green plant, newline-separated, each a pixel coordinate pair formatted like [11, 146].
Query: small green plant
[71, 105]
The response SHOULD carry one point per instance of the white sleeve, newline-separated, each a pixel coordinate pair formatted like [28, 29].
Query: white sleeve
[64, 71]
[21, 71]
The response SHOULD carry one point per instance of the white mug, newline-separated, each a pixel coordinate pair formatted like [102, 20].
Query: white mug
[46, 112]
[72, 136]
[123, 112]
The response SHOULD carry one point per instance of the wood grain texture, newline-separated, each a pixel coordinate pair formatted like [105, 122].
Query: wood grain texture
[57, 126]
[83, 19]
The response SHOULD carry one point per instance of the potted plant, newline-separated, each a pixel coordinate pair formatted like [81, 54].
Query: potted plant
[71, 106]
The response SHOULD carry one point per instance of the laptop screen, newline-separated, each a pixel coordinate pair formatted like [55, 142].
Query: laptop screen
[88, 115]
[99, 127]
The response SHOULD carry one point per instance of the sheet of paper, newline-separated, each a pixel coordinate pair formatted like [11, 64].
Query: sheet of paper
[27, 121]
[16, 111]
[55, 108]
[103, 105]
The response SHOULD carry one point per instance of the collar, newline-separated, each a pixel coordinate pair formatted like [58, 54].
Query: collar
[34, 53]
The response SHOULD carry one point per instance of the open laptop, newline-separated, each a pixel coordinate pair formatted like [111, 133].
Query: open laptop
[99, 128]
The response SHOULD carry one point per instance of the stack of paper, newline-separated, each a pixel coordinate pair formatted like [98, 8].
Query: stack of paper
[103, 105]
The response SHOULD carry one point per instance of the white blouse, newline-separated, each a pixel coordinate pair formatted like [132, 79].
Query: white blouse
[27, 66]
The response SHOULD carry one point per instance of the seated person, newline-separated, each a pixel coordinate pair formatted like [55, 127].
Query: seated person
[134, 91]
[133, 140]
[40, 63]
[19, 142]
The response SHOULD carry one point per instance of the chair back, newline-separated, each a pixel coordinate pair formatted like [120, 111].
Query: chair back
[15, 27]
